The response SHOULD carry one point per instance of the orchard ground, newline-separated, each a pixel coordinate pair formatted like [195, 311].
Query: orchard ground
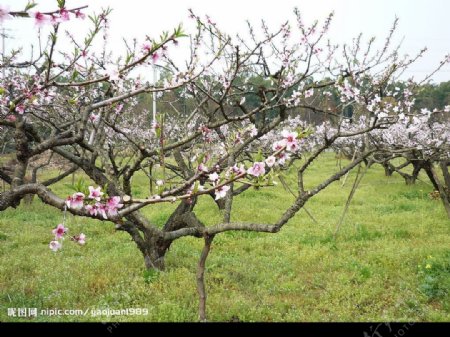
[390, 262]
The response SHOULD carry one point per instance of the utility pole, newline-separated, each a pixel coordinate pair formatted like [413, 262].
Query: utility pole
[4, 37]
[3, 52]
[154, 93]
[150, 163]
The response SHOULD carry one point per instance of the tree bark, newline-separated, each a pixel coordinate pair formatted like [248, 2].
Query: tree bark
[442, 192]
[444, 168]
[201, 278]
[387, 169]
[428, 167]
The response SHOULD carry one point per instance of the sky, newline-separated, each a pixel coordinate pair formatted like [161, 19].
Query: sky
[423, 23]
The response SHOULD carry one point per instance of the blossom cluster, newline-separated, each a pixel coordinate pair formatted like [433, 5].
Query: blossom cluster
[40, 18]
[59, 232]
[106, 207]
[260, 168]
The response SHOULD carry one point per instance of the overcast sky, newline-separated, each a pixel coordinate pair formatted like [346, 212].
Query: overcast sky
[422, 22]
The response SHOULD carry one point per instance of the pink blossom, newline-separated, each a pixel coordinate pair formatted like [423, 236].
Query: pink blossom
[253, 130]
[202, 168]
[80, 239]
[289, 136]
[282, 157]
[309, 93]
[205, 131]
[113, 73]
[59, 231]
[92, 209]
[55, 245]
[11, 118]
[20, 109]
[270, 161]
[291, 140]
[114, 202]
[80, 15]
[39, 18]
[279, 145]
[155, 57]
[146, 47]
[101, 209]
[238, 170]
[214, 176]
[95, 193]
[112, 205]
[221, 192]
[54, 19]
[4, 14]
[257, 169]
[75, 201]
[64, 14]
[94, 117]
[292, 147]
[119, 108]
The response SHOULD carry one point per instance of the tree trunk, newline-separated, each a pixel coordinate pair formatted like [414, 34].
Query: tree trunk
[442, 192]
[409, 180]
[153, 248]
[154, 255]
[430, 173]
[387, 169]
[415, 174]
[445, 174]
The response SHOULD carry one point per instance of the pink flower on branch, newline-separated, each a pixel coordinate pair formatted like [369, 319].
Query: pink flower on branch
[80, 239]
[95, 193]
[282, 157]
[92, 209]
[112, 205]
[291, 140]
[94, 117]
[155, 57]
[55, 245]
[113, 73]
[257, 169]
[4, 14]
[309, 93]
[20, 109]
[59, 231]
[214, 176]
[101, 209]
[39, 18]
[221, 192]
[146, 47]
[238, 170]
[202, 168]
[64, 14]
[75, 201]
[279, 145]
[80, 15]
[289, 136]
[270, 161]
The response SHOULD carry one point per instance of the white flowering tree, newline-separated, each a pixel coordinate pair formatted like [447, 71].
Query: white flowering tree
[225, 121]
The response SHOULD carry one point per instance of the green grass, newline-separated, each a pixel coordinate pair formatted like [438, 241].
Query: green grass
[375, 271]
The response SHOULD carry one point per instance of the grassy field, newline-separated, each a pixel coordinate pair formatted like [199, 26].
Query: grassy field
[390, 262]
